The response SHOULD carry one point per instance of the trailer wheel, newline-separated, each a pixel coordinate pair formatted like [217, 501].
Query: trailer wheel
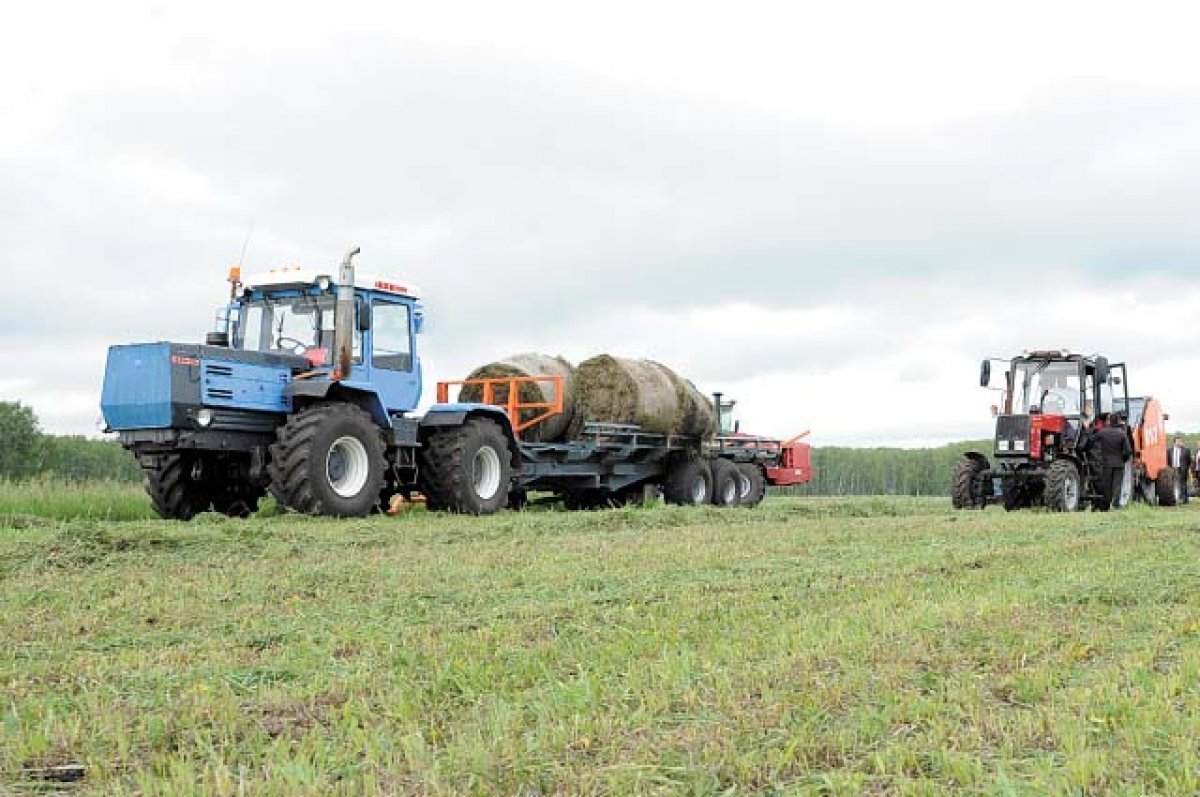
[467, 469]
[328, 460]
[174, 494]
[1063, 491]
[752, 484]
[726, 483]
[964, 492]
[689, 483]
[1166, 487]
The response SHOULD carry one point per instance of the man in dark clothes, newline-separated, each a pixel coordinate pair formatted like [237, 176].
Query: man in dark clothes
[1113, 450]
[1179, 457]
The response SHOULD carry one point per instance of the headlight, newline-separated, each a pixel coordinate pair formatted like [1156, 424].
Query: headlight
[204, 417]
[323, 283]
[1003, 445]
[1018, 445]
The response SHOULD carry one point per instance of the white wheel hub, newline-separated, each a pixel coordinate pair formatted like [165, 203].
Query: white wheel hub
[699, 493]
[1071, 492]
[743, 483]
[347, 466]
[485, 472]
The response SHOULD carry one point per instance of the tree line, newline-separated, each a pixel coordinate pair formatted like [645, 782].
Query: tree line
[26, 452]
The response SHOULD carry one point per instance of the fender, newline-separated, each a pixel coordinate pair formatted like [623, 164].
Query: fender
[443, 416]
[975, 456]
[324, 390]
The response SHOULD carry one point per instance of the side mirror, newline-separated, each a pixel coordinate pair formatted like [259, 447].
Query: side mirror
[364, 316]
[985, 373]
[1102, 369]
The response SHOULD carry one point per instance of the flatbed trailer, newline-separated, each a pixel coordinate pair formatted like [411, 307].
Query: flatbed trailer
[613, 464]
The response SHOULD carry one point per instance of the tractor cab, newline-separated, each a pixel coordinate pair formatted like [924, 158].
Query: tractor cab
[294, 312]
[1050, 399]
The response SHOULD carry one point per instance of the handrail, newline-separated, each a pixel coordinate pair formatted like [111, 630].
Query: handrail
[513, 406]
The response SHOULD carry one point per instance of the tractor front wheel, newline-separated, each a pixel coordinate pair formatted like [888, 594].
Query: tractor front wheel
[174, 494]
[328, 460]
[467, 469]
[964, 487]
[1063, 491]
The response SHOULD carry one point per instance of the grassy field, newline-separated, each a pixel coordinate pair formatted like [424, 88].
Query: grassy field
[816, 646]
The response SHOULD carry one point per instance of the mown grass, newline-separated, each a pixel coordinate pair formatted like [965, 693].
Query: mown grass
[810, 646]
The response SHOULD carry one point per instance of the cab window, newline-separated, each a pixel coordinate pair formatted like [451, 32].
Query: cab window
[393, 339]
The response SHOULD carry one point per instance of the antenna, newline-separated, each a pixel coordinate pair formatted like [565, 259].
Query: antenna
[246, 243]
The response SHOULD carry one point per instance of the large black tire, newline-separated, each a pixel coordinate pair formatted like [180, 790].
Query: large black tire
[328, 460]
[964, 487]
[689, 483]
[1166, 487]
[173, 493]
[752, 484]
[467, 469]
[1064, 487]
[726, 483]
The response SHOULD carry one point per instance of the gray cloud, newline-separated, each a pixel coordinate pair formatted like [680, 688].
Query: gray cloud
[548, 209]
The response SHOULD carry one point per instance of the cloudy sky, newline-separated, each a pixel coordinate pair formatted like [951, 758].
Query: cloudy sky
[830, 211]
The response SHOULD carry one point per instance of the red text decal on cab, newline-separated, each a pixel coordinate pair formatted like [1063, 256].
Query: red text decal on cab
[390, 286]
[179, 359]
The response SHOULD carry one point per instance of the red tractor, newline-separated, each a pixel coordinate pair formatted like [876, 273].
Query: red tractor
[1051, 400]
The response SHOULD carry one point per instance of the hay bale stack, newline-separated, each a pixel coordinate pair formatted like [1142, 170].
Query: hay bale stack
[641, 392]
[530, 364]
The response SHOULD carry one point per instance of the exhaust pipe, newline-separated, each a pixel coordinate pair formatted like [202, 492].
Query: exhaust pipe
[343, 319]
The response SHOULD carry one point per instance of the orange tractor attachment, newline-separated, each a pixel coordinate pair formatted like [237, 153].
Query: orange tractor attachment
[505, 392]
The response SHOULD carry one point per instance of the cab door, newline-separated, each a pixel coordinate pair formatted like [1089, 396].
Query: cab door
[394, 370]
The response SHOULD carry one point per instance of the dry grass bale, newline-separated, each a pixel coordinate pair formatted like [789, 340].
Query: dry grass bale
[641, 392]
[530, 364]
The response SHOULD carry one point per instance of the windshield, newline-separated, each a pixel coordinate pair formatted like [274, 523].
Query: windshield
[1050, 387]
[292, 325]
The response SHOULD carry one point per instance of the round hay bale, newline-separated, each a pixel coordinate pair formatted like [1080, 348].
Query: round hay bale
[529, 364]
[641, 392]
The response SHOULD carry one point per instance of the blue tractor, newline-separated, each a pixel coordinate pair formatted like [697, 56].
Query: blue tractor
[305, 390]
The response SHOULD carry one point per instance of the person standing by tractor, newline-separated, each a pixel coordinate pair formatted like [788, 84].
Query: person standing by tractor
[1114, 449]
[1180, 458]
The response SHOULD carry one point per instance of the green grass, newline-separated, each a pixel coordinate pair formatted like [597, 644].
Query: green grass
[69, 500]
[811, 646]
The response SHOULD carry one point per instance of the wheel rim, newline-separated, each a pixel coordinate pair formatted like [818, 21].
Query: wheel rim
[743, 483]
[729, 492]
[1071, 492]
[347, 466]
[1126, 487]
[699, 492]
[486, 472]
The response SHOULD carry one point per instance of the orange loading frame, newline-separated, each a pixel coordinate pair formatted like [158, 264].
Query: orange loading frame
[511, 401]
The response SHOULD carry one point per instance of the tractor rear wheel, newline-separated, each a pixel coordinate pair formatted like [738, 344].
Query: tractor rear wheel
[726, 483]
[1063, 491]
[964, 490]
[752, 484]
[689, 483]
[1167, 487]
[328, 460]
[467, 469]
[174, 494]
